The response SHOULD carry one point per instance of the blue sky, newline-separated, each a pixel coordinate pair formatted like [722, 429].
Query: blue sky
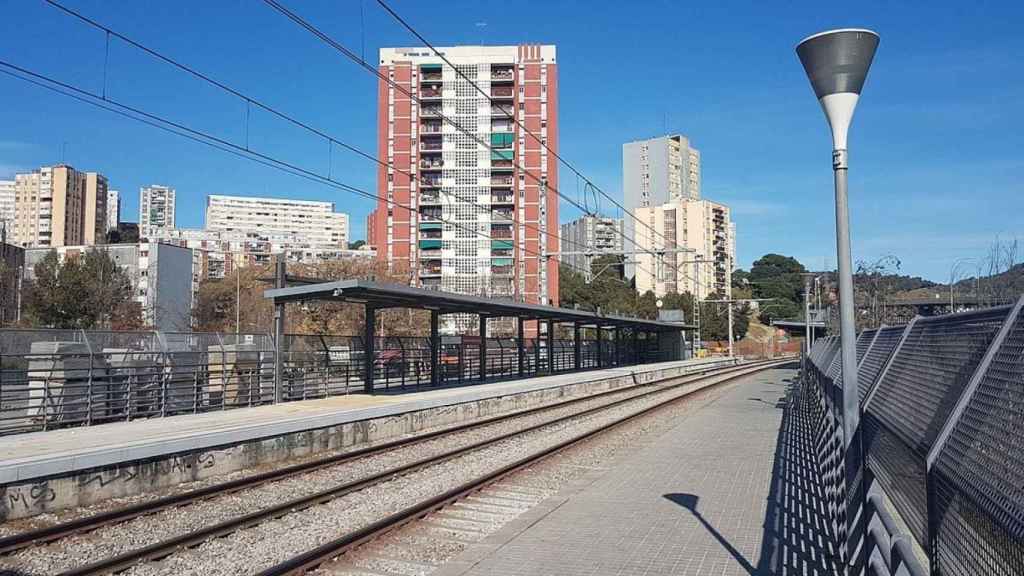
[935, 147]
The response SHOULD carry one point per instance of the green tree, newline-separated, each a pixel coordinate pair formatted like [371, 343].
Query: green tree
[778, 277]
[86, 290]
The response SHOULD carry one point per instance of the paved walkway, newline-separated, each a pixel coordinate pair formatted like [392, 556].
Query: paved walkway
[727, 491]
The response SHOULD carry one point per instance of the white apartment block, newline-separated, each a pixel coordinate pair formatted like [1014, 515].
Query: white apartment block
[703, 228]
[156, 210]
[590, 233]
[7, 206]
[280, 223]
[217, 253]
[160, 275]
[113, 209]
[658, 171]
[59, 206]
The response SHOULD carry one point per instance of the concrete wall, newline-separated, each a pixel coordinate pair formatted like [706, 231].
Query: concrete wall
[153, 475]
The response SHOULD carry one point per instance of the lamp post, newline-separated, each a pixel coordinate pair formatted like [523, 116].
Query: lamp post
[837, 63]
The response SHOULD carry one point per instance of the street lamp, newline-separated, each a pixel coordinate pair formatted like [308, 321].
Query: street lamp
[837, 63]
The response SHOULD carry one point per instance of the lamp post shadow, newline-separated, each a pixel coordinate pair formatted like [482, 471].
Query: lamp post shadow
[796, 536]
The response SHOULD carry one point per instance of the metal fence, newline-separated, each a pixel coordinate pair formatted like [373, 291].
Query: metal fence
[60, 378]
[941, 442]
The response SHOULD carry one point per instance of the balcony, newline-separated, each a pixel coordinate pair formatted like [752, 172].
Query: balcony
[431, 163]
[430, 268]
[500, 181]
[502, 164]
[502, 198]
[502, 125]
[430, 181]
[430, 92]
[502, 73]
[430, 215]
[432, 76]
[431, 127]
[501, 232]
[431, 111]
[501, 253]
[502, 111]
[502, 92]
[502, 214]
[504, 270]
[431, 283]
[430, 245]
[433, 145]
[427, 199]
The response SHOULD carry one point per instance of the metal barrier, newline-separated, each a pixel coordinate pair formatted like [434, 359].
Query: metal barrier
[941, 441]
[60, 378]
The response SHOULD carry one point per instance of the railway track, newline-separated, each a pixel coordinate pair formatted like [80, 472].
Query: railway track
[369, 530]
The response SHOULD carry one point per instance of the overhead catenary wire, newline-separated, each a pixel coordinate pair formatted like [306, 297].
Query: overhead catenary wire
[539, 140]
[328, 40]
[154, 120]
[240, 150]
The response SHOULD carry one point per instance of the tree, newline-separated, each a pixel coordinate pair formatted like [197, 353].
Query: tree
[606, 291]
[778, 277]
[125, 233]
[87, 290]
[356, 245]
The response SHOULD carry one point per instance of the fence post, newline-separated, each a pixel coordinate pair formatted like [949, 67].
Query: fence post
[435, 347]
[521, 347]
[551, 346]
[369, 335]
[483, 347]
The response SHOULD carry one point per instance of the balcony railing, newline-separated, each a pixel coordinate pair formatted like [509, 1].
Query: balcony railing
[430, 181]
[502, 91]
[504, 126]
[502, 74]
[435, 76]
[430, 271]
[431, 145]
[431, 163]
[502, 164]
[502, 270]
[430, 198]
[431, 111]
[430, 254]
[501, 111]
[430, 216]
[431, 128]
[503, 214]
[502, 199]
[430, 93]
[501, 233]
[501, 180]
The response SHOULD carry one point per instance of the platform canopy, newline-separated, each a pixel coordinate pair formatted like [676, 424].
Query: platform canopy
[380, 295]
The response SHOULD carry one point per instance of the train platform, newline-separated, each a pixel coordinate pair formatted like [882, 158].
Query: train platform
[63, 452]
[730, 490]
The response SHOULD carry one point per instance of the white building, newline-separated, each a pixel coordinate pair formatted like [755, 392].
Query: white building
[156, 210]
[113, 209]
[7, 206]
[590, 233]
[658, 171]
[160, 274]
[217, 253]
[279, 222]
[701, 226]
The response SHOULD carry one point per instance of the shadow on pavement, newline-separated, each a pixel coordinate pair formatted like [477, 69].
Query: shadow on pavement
[796, 537]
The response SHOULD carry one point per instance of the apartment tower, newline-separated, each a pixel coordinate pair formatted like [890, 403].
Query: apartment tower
[7, 207]
[596, 234]
[59, 206]
[476, 181]
[655, 172]
[703, 226]
[113, 209]
[156, 210]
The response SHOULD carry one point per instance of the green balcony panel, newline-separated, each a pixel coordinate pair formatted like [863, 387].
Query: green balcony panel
[431, 225]
[430, 244]
[501, 245]
[502, 155]
[501, 261]
[501, 139]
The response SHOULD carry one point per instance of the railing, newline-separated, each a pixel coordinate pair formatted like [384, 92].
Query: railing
[63, 378]
[941, 443]
[501, 91]
[431, 163]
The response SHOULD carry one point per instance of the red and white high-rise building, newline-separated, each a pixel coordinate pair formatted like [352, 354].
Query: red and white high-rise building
[481, 214]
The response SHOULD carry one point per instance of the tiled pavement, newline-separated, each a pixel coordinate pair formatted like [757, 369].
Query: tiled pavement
[726, 491]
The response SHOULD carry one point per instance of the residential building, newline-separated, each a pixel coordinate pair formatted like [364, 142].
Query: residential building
[218, 253]
[156, 210]
[12, 269]
[160, 274]
[655, 172]
[59, 206]
[279, 222]
[482, 213]
[113, 209]
[7, 206]
[703, 228]
[590, 233]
